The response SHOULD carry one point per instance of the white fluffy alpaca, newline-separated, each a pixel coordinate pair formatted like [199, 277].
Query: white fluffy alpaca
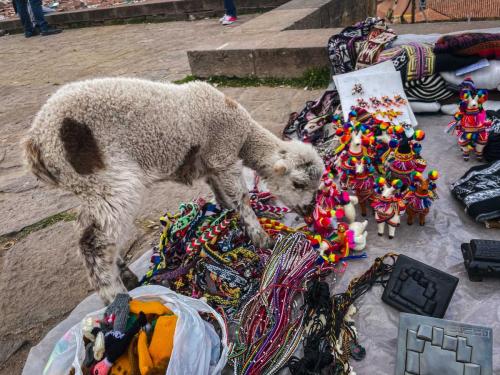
[106, 140]
[360, 233]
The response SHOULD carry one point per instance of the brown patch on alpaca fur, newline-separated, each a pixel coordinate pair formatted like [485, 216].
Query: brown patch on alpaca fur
[231, 103]
[34, 157]
[81, 147]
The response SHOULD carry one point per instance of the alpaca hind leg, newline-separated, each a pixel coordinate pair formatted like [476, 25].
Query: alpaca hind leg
[129, 278]
[380, 228]
[106, 218]
[99, 256]
[392, 231]
[422, 219]
[232, 185]
[479, 151]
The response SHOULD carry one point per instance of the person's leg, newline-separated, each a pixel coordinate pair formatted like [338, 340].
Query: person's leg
[230, 8]
[22, 11]
[36, 8]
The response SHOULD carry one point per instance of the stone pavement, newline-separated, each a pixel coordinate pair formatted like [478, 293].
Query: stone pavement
[41, 278]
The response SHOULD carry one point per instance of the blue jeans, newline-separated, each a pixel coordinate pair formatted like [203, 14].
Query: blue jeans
[230, 8]
[36, 7]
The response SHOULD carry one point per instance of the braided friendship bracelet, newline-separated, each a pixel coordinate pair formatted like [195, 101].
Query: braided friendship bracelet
[209, 235]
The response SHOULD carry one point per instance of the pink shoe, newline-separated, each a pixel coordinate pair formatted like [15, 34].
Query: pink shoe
[228, 20]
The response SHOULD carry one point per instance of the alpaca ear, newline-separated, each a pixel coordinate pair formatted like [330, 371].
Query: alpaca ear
[280, 167]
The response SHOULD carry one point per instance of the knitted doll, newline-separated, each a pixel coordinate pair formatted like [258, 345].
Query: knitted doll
[357, 175]
[388, 205]
[420, 196]
[470, 123]
[404, 156]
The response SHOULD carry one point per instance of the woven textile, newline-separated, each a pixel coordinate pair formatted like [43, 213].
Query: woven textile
[343, 47]
[421, 60]
[379, 37]
[470, 44]
[427, 89]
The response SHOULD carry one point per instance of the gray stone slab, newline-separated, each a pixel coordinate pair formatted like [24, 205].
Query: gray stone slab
[437, 336]
[464, 351]
[450, 348]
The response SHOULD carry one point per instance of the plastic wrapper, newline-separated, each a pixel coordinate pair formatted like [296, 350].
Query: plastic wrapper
[194, 339]
[484, 78]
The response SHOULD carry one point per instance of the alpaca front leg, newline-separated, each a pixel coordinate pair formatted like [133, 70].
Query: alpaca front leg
[410, 216]
[231, 185]
[465, 150]
[362, 204]
[219, 195]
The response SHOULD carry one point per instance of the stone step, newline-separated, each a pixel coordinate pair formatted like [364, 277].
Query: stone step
[271, 52]
[150, 11]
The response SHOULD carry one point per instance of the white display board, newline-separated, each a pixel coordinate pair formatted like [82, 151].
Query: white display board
[376, 81]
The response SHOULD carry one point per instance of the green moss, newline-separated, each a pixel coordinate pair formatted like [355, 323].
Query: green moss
[7, 240]
[314, 79]
[186, 79]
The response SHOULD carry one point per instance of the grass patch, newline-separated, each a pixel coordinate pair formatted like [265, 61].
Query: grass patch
[313, 79]
[9, 239]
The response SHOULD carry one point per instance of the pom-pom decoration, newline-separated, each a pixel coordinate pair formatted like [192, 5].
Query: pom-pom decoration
[398, 129]
[393, 143]
[482, 96]
[368, 140]
[380, 181]
[433, 175]
[397, 183]
[419, 135]
[417, 148]
[416, 176]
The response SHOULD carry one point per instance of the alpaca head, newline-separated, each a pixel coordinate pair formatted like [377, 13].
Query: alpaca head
[296, 176]
[386, 189]
[422, 185]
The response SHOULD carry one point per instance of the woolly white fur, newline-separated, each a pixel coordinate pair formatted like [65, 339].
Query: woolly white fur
[147, 131]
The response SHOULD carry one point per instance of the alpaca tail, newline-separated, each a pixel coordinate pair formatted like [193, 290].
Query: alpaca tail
[35, 162]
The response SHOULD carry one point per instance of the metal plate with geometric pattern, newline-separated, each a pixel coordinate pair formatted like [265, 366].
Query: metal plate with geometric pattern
[432, 346]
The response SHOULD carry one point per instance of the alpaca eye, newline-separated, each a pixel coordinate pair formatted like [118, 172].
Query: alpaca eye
[299, 186]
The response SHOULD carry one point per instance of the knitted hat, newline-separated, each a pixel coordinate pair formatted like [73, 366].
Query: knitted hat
[468, 84]
[119, 308]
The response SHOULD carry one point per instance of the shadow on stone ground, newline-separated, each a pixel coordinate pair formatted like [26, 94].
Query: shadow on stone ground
[41, 277]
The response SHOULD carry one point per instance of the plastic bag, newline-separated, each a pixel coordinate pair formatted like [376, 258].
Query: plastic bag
[196, 344]
[485, 78]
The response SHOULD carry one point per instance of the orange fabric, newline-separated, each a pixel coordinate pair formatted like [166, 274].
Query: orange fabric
[149, 307]
[145, 362]
[162, 341]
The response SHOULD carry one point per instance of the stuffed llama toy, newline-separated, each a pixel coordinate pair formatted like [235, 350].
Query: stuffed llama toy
[106, 140]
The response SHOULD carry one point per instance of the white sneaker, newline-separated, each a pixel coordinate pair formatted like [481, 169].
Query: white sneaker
[222, 18]
[228, 20]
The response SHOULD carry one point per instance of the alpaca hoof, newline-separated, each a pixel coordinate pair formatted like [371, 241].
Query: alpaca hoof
[391, 237]
[422, 224]
[129, 279]
[410, 223]
[363, 214]
[380, 234]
